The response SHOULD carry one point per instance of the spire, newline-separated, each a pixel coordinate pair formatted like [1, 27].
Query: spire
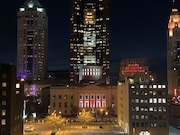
[173, 3]
[174, 9]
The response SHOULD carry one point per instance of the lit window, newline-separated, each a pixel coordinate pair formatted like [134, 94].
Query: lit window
[150, 100]
[104, 104]
[17, 85]
[151, 109]
[4, 84]
[144, 133]
[154, 93]
[136, 100]
[160, 109]
[17, 92]
[137, 117]
[154, 100]
[54, 96]
[159, 86]
[137, 109]
[141, 86]
[163, 100]
[3, 122]
[154, 86]
[81, 104]
[3, 112]
[164, 109]
[65, 96]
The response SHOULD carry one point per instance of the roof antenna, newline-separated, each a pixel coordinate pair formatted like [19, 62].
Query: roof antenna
[173, 3]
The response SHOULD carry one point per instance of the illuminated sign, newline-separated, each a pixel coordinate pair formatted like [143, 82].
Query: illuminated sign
[133, 68]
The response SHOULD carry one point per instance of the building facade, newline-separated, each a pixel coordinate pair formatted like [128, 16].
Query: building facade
[11, 98]
[32, 41]
[70, 100]
[173, 53]
[143, 108]
[89, 42]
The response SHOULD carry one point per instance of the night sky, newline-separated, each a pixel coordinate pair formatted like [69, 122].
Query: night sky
[137, 29]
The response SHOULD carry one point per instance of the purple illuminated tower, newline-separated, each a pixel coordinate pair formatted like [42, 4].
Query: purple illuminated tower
[32, 41]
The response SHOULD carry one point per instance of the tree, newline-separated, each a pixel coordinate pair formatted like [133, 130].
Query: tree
[85, 117]
[55, 121]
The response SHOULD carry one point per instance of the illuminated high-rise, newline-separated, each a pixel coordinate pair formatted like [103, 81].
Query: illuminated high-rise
[32, 41]
[89, 42]
[173, 51]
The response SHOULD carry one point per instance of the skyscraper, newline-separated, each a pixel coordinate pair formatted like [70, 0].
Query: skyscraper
[32, 41]
[173, 51]
[89, 42]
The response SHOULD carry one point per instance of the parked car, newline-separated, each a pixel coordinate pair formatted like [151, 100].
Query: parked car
[29, 129]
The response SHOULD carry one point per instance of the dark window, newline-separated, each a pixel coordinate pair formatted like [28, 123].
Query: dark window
[54, 104]
[65, 104]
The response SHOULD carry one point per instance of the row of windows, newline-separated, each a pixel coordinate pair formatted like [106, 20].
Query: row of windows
[150, 100]
[64, 97]
[149, 86]
[148, 117]
[151, 109]
[60, 104]
[152, 124]
[92, 104]
[87, 97]
[4, 84]
[150, 92]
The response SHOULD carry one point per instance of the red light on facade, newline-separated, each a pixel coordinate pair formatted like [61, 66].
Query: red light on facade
[133, 68]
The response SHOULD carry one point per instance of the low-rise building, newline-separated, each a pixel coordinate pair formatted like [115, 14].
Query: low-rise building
[70, 100]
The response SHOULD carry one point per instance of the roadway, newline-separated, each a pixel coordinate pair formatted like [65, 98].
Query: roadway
[76, 129]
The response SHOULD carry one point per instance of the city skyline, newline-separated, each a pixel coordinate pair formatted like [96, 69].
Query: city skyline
[137, 29]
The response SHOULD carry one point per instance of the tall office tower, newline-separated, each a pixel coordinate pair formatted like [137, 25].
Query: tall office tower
[142, 108]
[89, 42]
[32, 41]
[173, 51]
[11, 99]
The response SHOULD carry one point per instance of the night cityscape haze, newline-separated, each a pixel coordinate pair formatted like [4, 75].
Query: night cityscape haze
[134, 30]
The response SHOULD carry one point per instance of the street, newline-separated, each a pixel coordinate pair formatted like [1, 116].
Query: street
[75, 129]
